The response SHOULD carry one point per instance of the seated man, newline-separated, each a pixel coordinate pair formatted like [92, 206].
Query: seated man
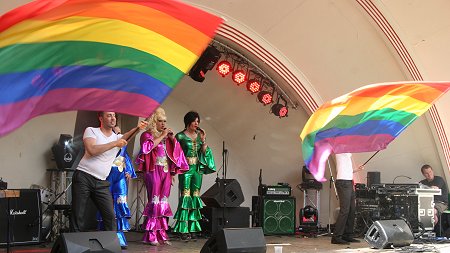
[437, 182]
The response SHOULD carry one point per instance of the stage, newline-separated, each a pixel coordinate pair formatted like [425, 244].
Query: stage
[290, 244]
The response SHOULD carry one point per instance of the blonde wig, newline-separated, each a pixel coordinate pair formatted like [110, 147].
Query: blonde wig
[158, 114]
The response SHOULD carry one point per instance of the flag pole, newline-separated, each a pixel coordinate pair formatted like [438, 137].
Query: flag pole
[370, 158]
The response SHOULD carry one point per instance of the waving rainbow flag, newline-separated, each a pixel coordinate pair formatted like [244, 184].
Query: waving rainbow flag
[366, 119]
[103, 55]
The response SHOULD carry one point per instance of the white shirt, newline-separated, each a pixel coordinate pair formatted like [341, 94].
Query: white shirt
[99, 166]
[344, 166]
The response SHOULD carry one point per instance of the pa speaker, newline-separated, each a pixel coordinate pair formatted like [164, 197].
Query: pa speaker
[224, 193]
[386, 233]
[276, 215]
[231, 240]
[24, 213]
[213, 218]
[84, 242]
[373, 177]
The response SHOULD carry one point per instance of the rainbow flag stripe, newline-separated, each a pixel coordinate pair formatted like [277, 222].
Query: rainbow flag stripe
[364, 120]
[106, 55]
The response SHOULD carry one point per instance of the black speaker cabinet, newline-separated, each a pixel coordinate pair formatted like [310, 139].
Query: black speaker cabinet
[231, 240]
[386, 233]
[213, 218]
[24, 213]
[83, 242]
[224, 189]
[373, 177]
[276, 215]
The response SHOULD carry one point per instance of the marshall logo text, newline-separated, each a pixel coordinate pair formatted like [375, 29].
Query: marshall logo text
[19, 212]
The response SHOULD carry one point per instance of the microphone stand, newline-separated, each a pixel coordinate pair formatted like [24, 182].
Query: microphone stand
[332, 183]
[224, 176]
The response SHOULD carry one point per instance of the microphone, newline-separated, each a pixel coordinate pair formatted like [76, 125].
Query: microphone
[393, 181]
[201, 130]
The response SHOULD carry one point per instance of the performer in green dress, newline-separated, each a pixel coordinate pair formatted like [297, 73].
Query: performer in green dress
[201, 161]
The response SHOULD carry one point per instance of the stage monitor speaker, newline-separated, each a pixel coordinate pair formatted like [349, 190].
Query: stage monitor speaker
[214, 196]
[84, 242]
[231, 240]
[386, 233]
[213, 218]
[24, 215]
[277, 215]
[373, 177]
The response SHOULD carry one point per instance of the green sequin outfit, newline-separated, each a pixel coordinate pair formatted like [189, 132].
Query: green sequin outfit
[190, 183]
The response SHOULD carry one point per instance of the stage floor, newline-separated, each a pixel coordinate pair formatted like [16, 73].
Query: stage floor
[291, 244]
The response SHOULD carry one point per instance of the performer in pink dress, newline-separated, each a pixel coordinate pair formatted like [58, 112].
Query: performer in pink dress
[160, 157]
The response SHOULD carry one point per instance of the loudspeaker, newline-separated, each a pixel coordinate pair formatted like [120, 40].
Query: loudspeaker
[214, 196]
[232, 240]
[276, 215]
[24, 215]
[386, 233]
[213, 218]
[373, 177]
[81, 242]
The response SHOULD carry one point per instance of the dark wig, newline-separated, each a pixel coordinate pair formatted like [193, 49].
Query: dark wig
[190, 117]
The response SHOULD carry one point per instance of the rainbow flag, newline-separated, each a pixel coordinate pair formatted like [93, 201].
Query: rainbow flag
[366, 119]
[102, 55]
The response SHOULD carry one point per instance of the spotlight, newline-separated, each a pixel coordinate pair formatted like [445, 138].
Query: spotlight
[265, 97]
[253, 86]
[308, 216]
[224, 68]
[239, 77]
[206, 62]
[279, 110]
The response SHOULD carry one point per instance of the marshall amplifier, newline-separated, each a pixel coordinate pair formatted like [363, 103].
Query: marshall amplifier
[24, 215]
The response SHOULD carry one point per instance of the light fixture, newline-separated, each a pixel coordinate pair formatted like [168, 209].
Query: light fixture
[239, 76]
[280, 110]
[205, 62]
[254, 85]
[265, 97]
[224, 68]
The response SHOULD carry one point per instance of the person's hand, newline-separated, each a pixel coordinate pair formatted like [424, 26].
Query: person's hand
[360, 167]
[434, 187]
[120, 143]
[127, 176]
[143, 125]
[202, 134]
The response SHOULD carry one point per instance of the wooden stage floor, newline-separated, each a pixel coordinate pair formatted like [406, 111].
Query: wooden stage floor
[291, 244]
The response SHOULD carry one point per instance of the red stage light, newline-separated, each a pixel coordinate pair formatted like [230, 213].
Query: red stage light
[253, 86]
[265, 97]
[224, 68]
[279, 110]
[239, 76]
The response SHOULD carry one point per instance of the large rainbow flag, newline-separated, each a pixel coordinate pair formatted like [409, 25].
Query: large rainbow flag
[102, 55]
[366, 119]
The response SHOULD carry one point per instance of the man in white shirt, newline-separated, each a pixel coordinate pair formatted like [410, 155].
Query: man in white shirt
[89, 179]
[343, 230]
